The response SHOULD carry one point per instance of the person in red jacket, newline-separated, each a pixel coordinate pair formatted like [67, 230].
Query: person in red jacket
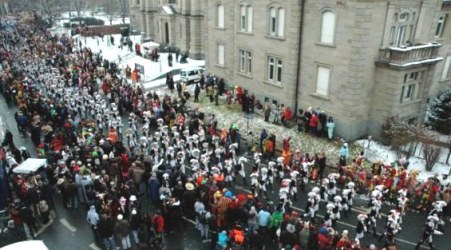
[344, 243]
[158, 222]
[313, 123]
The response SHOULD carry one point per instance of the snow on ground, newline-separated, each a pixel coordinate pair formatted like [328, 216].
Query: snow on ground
[66, 16]
[377, 152]
[126, 57]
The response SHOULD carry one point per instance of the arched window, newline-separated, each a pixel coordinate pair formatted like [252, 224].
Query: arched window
[328, 27]
[220, 21]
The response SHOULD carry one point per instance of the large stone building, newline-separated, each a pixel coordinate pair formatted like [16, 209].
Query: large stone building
[360, 61]
[176, 23]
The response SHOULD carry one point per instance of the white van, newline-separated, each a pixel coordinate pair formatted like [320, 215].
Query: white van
[190, 75]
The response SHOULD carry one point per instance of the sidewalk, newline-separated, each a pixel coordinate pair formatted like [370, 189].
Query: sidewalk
[230, 114]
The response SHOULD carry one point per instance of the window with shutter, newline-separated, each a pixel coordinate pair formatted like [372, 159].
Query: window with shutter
[281, 23]
[249, 19]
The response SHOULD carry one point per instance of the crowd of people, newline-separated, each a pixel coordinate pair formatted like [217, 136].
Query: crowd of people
[141, 162]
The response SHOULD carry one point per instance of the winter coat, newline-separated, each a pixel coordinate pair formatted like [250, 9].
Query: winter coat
[154, 187]
[105, 228]
[122, 228]
[330, 129]
[344, 151]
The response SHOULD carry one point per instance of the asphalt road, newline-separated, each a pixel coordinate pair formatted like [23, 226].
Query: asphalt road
[70, 231]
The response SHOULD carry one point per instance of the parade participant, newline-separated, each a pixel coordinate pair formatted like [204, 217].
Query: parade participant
[361, 228]
[429, 231]
[337, 210]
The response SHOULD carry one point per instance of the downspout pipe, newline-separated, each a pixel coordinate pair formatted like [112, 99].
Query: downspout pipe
[298, 78]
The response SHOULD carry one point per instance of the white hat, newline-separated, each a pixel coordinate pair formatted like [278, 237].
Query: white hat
[189, 186]
[345, 232]
[362, 216]
[120, 217]
[311, 194]
[330, 206]
[133, 198]
[291, 228]
[433, 217]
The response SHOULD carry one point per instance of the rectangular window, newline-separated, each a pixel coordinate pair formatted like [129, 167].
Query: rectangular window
[220, 21]
[446, 74]
[245, 61]
[322, 80]
[279, 71]
[221, 54]
[440, 25]
[249, 61]
[243, 18]
[274, 69]
[410, 85]
[328, 27]
[271, 69]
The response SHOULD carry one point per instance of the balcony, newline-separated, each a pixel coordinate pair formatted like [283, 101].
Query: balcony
[411, 56]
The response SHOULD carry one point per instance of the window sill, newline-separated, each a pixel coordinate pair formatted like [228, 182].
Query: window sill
[220, 66]
[245, 33]
[320, 96]
[280, 38]
[275, 84]
[410, 102]
[330, 45]
[219, 28]
[247, 75]
[444, 80]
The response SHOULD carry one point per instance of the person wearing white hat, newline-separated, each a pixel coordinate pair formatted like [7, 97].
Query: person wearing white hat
[431, 229]
[123, 229]
[361, 227]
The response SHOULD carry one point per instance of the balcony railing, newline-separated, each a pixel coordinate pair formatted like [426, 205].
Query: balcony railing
[410, 56]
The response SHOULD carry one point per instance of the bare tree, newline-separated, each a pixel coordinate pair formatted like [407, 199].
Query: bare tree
[111, 7]
[124, 10]
[79, 6]
[431, 154]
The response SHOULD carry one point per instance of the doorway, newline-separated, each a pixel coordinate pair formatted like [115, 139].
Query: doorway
[166, 32]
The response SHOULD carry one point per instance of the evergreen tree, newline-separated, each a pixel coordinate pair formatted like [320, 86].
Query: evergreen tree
[438, 115]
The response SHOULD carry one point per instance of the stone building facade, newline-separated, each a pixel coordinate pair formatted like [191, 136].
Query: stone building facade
[176, 23]
[365, 61]
[360, 61]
